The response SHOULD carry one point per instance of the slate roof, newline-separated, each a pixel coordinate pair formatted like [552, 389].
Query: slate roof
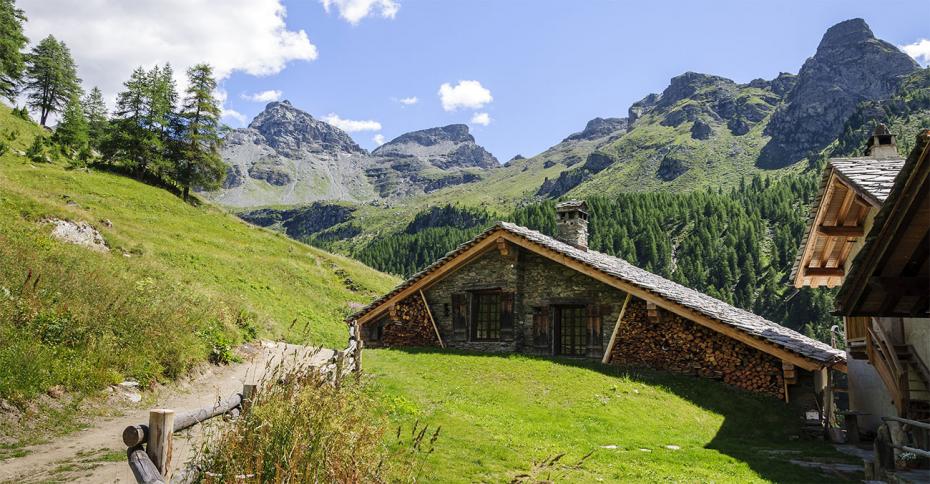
[713, 308]
[873, 177]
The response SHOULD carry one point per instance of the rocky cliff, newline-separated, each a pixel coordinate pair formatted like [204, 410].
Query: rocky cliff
[427, 160]
[287, 157]
[850, 66]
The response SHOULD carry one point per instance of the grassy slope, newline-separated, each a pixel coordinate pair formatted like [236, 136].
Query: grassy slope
[500, 414]
[201, 262]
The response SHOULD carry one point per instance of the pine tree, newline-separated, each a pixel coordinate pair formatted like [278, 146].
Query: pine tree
[199, 163]
[12, 42]
[72, 132]
[95, 111]
[51, 77]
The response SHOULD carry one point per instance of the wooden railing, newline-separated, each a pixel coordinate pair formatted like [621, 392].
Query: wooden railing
[149, 447]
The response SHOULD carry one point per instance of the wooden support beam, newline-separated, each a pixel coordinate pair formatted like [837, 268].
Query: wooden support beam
[431, 320]
[652, 312]
[248, 392]
[841, 231]
[790, 373]
[159, 445]
[613, 335]
[824, 272]
[502, 247]
[901, 286]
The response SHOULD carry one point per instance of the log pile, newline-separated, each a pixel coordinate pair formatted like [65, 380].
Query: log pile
[409, 324]
[676, 344]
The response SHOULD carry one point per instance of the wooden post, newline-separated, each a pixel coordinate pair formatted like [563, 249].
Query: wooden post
[430, 314]
[613, 336]
[248, 391]
[158, 448]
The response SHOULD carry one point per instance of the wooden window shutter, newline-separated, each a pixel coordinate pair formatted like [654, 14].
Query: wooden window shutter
[460, 317]
[594, 329]
[507, 316]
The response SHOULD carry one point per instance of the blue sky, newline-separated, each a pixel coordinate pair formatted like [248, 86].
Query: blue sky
[549, 66]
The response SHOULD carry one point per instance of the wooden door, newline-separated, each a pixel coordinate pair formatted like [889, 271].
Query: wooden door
[571, 337]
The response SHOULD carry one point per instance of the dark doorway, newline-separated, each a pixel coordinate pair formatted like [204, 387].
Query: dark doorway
[570, 331]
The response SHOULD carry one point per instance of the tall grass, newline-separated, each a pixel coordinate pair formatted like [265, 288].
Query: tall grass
[304, 427]
[72, 320]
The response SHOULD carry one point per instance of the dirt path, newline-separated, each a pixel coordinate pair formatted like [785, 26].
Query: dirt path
[97, 454]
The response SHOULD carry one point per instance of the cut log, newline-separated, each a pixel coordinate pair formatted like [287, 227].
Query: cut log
[142, 467]
[188, 420]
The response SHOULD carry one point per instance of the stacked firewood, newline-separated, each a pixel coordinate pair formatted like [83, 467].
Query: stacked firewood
[409, 324]
[676, 344]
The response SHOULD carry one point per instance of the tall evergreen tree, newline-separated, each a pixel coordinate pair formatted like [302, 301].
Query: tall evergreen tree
[51, 77]
[199, 163]
[72, 132]
[12, 42]
[95, 111]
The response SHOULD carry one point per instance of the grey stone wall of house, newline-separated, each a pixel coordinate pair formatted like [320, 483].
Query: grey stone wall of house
[537, 283]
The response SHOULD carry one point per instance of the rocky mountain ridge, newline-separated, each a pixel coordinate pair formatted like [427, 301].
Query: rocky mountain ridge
[287, 157]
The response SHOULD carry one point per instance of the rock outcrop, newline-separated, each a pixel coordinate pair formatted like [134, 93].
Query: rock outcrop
[287, 157]
[426, 160]
[850, 66]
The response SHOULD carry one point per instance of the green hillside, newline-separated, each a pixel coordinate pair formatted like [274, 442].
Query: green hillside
[181, 283]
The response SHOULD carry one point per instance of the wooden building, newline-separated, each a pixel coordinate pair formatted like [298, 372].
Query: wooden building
[512, 289]
[868, 233]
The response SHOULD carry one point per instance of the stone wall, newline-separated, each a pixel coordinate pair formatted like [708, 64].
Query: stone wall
[541, 283]
[679, 345]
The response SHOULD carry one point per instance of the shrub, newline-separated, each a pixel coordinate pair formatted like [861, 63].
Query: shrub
[3, 148]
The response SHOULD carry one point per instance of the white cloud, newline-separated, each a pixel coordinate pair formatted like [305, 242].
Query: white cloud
[352, 125]
[109, 38]
[234, 115]
[263, 96]
[483, 119]
[353, 11]
[378, 139]
[465, 94]
[919, 50]
[408, 101]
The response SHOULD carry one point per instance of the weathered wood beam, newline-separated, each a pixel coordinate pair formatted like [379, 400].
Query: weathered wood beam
[502, 247]
[431, 320]
[142, 467]
[159, 446]
[841, 231]
[613, 335]
[902, 286]
[824, 272]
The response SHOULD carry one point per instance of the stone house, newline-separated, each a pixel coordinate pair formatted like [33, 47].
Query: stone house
[512, 289]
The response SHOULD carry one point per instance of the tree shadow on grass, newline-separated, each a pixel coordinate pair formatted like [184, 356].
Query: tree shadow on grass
[759, 430]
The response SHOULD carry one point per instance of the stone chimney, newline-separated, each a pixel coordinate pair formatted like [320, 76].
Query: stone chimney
[572, 223]
[882, 144]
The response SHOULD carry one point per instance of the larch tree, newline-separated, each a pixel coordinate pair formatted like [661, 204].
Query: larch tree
[72, 132]
[199, 163]
[95, 112]
[12, 42]
[51, 77]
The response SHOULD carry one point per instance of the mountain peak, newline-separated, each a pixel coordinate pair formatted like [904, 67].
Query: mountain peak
[287, 128]
[845, 33]
[851, 65]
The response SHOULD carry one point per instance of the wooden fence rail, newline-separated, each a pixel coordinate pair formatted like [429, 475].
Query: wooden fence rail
[149, 447]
